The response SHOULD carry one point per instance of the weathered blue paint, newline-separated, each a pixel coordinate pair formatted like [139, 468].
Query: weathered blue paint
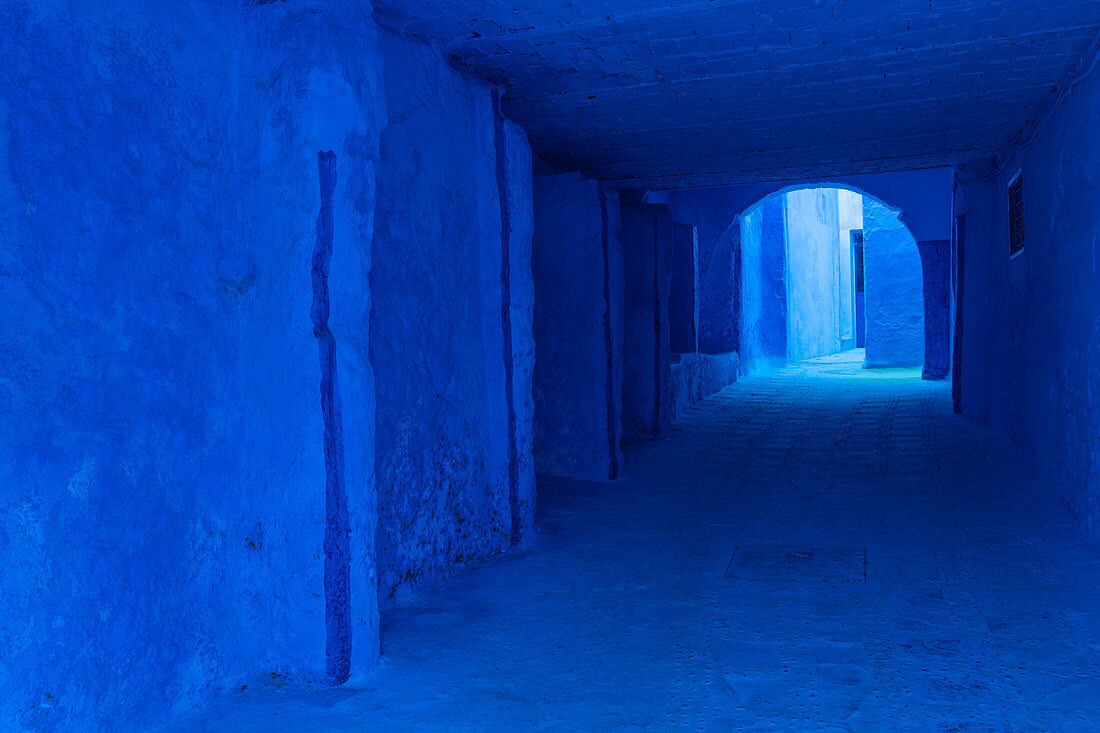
[763, 329]
[773, 275]
[647, 251]
[613, 294]
[813, 292]
[752, 289]
[851, 219]
[577, 268]
[683, 306]
[921, 202]
[517, 197]
[178, 524]
[337, 556]
[244, 397]
[695, 377]
[501, 153]
[936, 265]
[894, 300]
[1032, 339]
[443, 448]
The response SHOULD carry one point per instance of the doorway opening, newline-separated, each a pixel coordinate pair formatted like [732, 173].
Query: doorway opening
[824, 271]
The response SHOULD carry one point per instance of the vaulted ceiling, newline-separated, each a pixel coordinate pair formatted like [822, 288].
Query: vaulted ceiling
[670, 93]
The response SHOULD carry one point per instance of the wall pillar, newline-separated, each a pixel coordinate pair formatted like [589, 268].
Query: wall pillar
[578, 303]
[720, 292]
[935, 257]
[647, 236]
[683, 307]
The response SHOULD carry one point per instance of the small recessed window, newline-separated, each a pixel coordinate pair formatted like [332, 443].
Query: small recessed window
[1016, 215]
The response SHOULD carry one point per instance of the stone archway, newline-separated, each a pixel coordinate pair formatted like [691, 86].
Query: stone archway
[922, 201]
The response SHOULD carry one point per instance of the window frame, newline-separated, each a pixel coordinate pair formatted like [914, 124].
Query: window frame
[1017, 230]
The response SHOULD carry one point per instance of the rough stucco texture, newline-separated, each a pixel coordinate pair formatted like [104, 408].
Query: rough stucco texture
[718, 232]
[521, 220]
[894, 290]
[438, 343]
[683, 307]
[764, 285]
[698, 376]
[175, 527]
[164, 536]
[935, 260]
[574, 290]
[302, 97]
[1040, 316]
[647, 251]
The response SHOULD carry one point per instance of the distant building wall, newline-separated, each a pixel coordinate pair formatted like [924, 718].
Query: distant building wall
[851, 218]
[813, 298]
[894, 290]
[764, 285]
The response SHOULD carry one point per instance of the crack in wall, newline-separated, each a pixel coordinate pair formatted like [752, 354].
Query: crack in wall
[337, 576]
[609, 387]
[656, 325]
[506, 315]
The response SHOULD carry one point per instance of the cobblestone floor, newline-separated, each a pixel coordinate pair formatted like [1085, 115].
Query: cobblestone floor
[817, 548]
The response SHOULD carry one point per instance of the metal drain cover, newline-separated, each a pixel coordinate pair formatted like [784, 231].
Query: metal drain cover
[799, 564]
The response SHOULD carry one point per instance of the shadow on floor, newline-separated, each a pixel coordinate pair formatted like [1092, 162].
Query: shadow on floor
[948, 592]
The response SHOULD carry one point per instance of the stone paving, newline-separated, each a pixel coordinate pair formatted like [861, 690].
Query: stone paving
[815, 548]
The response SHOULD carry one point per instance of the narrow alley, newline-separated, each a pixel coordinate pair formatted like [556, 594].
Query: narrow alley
[923, 582]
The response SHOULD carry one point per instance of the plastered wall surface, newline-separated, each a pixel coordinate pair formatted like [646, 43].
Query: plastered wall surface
[764, 285]
[186, 231]
[1038, 320]
[851, 218]
[647, 251]
[578, 271]
[894, 290]
[442, 444]
[165, 372]
[115, 215]
[683, 307]
[813, 298]
[697, 376]
[514, 153]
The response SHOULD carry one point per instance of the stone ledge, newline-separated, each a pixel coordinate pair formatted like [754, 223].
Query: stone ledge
[697, 376]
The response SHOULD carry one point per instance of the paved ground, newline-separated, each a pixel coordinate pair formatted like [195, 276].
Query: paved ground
[813, 549]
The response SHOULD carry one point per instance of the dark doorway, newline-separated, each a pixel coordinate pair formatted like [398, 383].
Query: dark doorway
[858, 279]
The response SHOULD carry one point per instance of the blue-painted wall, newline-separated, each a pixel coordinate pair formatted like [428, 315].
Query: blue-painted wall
[189, 454]
[894, 299]
[578, 271]
[647, 355]
[813, 292]
[773, 275]
[1032, 324]
[851, 218]
[764, 285]
[437, 342]
[718, 234]
[752, 288]
[683, 306]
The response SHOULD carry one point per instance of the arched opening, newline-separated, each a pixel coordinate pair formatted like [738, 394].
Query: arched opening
[824, 270]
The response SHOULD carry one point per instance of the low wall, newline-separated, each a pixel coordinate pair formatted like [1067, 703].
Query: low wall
[697, 376]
